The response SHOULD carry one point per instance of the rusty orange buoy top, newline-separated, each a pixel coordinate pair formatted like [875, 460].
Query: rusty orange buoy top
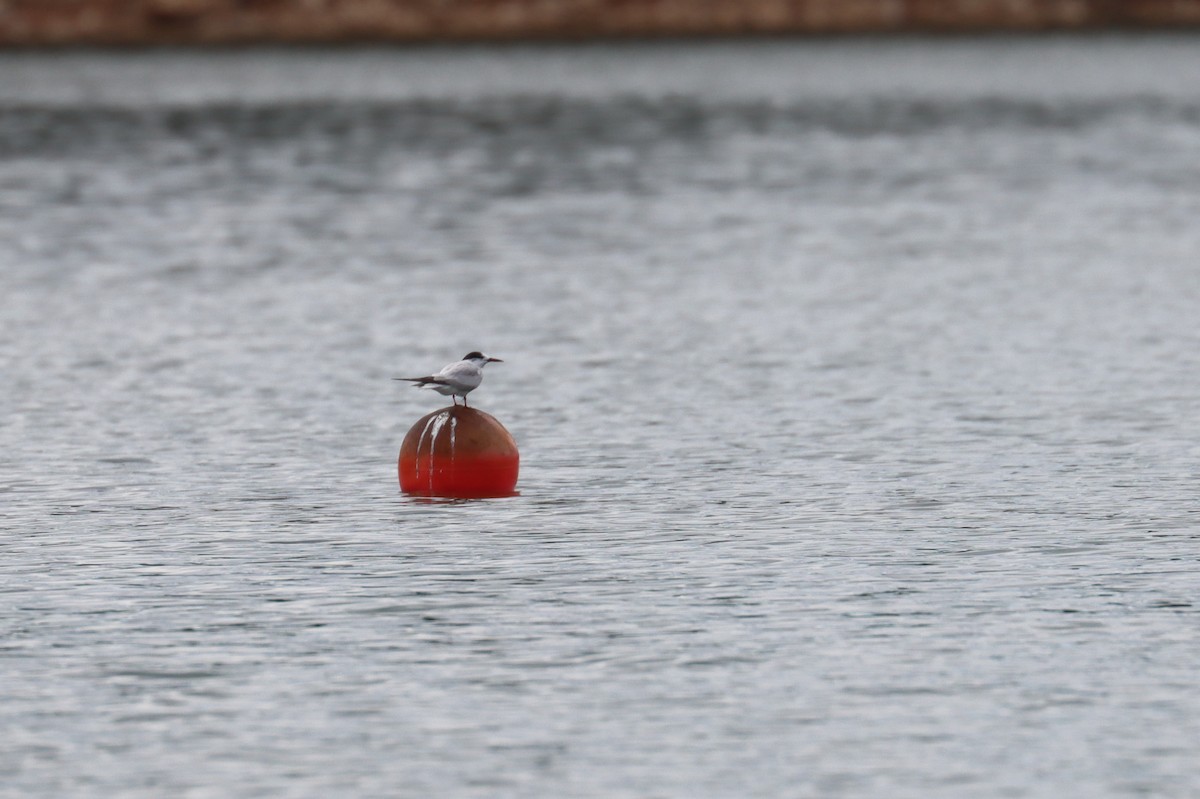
[461, 453]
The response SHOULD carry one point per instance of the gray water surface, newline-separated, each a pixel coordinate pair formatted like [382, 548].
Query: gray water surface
[856, 385]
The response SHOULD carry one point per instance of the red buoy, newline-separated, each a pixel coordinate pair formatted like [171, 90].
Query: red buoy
[458, 452]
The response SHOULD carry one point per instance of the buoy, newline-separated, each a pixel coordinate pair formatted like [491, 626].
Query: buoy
[461, 453]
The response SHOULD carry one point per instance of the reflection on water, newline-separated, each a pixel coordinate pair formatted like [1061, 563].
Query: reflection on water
[857, 430]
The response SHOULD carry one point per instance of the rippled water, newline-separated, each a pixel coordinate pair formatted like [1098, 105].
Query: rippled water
[856, 385]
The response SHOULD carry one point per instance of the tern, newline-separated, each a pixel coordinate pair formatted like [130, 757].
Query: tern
[456, 379]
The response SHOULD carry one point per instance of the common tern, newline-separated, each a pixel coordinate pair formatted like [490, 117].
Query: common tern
[456, 379]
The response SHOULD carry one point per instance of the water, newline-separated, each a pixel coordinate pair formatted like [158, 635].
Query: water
[856, 385]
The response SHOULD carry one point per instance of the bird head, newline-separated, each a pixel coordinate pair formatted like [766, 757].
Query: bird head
[479, 359]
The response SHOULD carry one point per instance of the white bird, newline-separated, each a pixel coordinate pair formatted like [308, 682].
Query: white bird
[456, 379]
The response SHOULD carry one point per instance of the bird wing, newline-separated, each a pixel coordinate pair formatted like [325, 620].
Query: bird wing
[463, 373]
[423, 380]
[460, 374]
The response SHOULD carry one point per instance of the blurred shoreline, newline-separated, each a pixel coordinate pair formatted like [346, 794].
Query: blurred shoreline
[225, 22]
[980, 76]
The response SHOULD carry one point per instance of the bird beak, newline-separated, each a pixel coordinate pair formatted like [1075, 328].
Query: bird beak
[494, 360]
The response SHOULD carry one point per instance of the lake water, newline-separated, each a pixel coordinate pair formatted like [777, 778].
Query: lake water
[857, 385]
